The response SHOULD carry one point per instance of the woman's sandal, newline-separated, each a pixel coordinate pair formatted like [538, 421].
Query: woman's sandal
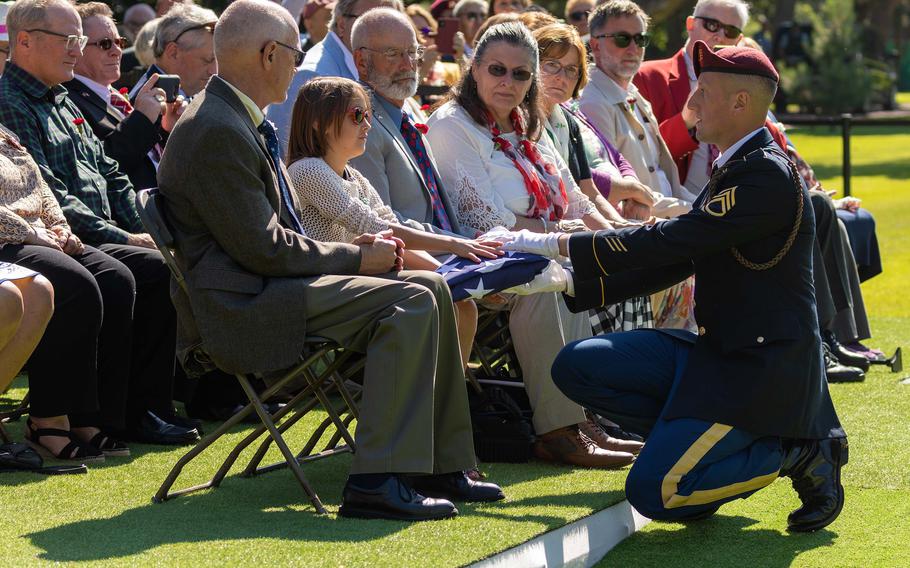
[73, 451]
[110, 446]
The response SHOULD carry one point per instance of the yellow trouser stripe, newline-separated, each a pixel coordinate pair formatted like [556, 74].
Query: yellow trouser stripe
[690, 459]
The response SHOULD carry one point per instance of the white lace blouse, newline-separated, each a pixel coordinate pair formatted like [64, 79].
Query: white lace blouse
[485, 187]
[335, 209]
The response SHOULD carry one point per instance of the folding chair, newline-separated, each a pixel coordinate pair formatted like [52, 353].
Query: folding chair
[493, 348]
[325, 367]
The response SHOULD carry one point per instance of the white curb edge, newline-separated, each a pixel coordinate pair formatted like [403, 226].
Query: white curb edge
[582, 543]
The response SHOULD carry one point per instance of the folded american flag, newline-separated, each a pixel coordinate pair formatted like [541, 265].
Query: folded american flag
[468, 279]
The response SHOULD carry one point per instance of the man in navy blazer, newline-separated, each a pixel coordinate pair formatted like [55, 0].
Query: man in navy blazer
[388, 161]
[332, 57]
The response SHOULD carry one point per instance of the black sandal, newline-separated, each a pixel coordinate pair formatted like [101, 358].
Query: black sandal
[73, 451]
[109, 446]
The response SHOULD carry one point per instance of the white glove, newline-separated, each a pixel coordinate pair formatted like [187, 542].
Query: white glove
[544, 244]
[497, 233]
[553, 278]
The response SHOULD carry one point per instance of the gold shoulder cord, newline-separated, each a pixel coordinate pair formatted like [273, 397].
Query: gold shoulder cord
[794, 177]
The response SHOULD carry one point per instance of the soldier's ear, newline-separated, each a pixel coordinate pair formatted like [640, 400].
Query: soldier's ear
[741, 100]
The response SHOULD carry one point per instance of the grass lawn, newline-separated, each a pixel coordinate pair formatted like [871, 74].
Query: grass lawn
[106, 517]
[873, 528]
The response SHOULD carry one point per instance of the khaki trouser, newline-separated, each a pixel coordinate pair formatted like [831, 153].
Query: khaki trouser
[414, 412]
[541, 325]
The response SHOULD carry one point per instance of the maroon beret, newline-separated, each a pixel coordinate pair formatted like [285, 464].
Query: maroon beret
[738, 60]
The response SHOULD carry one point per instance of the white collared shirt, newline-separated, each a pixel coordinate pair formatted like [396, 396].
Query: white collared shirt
[725, 156]
[104, 92]
[697, 175]
[348, 56]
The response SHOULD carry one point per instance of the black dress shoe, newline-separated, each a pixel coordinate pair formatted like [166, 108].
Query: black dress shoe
[182, 421]
[395, 500]
[837, 373]
[457, 487]
[154, 430]
[843, 355]
[814, 469]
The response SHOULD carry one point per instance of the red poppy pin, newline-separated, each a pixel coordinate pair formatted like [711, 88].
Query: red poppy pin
[124, 90]
[425, 108]
[78, 122]
[423, 128]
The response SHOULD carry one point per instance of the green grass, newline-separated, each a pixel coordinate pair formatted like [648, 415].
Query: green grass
[903, 99]
[106, 517]
[873, 529]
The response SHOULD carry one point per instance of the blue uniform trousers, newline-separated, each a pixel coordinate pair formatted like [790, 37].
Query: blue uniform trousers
[688, 466]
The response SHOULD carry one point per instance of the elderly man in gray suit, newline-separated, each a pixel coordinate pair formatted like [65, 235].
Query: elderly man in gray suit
[258, 285]
[332, 57]
[398, 160]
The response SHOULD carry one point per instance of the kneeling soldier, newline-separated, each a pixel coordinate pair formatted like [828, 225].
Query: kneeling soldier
[745, 401]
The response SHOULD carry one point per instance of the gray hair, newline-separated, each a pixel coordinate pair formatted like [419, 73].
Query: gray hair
[366, 24]
[343, 7]
[247, 24]
[180, 18]
[145, 37]
[512, 33]
[137, 13]
[29, 14]
[742, 8]
[615, 9]
[463, 5]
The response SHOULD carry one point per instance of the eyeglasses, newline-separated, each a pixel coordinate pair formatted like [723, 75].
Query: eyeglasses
[210, 27]
[72, 41]
[579, 16]
[553, 67]
[107, 43]
[474, 15]
[712, 25]
[498, 70]
[623, 39]
[298, 54]
[358, 116]
[393, 54]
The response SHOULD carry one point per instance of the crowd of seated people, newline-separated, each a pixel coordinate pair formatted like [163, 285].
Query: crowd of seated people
[310, 192]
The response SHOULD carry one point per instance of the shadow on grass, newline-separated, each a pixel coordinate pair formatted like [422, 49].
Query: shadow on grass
[716, 542]
[891, 170]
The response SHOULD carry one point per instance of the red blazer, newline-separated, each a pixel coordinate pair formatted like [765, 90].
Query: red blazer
[665, 83]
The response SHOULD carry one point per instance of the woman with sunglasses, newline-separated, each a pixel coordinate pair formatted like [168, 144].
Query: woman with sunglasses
[577, 12]
[503, 172]
[329, 127]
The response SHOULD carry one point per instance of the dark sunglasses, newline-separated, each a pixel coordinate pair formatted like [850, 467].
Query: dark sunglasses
[579, 16]
[210, 27]
[498, 70]
[358, 115]
[623, 39]
[107, 43]
[298, 54]
[712, 25]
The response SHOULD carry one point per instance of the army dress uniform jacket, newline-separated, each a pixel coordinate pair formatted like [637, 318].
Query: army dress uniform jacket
[756, 363]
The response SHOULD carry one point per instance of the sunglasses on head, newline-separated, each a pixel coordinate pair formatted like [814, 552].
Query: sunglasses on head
[712, 25]
[579, 15]
[107, 43]
[358, 116]
[498, 70]
[623, 39]
[210, 27]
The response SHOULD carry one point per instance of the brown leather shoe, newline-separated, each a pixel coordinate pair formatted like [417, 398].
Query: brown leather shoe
[593, 430]
[569, 445]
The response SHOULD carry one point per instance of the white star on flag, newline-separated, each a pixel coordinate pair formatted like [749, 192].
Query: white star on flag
[479, 292]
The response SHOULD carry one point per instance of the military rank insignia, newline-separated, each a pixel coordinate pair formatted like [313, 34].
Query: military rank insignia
[721, 203]
[615, 244]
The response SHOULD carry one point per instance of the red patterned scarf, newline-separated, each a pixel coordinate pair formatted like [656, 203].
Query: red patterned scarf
[542, 179]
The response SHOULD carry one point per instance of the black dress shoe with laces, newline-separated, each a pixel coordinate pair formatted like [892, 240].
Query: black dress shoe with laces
[153, 430]
[837, 373]
[814, 468]
[843, 355]
[393, 499]
[457, 487]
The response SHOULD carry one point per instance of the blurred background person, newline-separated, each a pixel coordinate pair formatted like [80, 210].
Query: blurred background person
[506, 6]
[470, 14]
[134, 18]
[577, 12]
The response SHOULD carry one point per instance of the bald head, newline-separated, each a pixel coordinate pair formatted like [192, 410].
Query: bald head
[246, 25]
[380, 22]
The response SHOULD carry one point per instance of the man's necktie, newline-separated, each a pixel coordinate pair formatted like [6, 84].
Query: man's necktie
[418, 150]
[267, 128]
[121, 103]
[712, 156]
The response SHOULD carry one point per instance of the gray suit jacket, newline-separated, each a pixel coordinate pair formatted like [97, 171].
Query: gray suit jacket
[391, 168]
[246, 272]
[326, 59]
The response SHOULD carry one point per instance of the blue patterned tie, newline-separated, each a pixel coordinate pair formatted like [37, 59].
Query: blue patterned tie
[415, 143]
[267, 128]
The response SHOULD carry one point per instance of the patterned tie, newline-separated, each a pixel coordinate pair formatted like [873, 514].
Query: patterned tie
[415, 144]
[121, 103]
[267, 128]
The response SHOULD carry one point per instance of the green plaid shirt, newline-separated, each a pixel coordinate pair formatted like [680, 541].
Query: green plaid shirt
[96, 198]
